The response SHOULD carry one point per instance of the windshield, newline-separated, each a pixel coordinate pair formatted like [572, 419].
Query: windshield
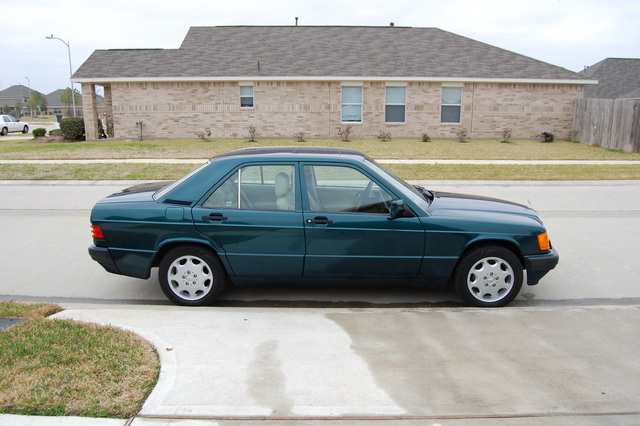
[414, 194]
[164, 191]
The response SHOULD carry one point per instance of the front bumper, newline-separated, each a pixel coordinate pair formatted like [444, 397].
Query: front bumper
[538, 266]
[103, 257]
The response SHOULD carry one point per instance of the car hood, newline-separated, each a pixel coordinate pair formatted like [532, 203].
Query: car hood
[463, 205]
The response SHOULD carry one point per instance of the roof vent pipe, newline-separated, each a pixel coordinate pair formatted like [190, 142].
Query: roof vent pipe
[391, 24]
[296, 21]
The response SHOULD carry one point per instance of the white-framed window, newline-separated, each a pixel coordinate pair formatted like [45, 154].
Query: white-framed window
[246, 96]
[395, 105]
[451, 109]
[352, 104]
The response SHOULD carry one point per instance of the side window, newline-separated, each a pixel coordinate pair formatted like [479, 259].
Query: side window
[246, 96]
[451, 105]
[226, 196]
[260, 187]
[351, 104]
[395, 104]
[344, 189]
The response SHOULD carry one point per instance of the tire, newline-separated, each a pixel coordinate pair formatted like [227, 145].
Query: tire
[488, 276]
[191, 275]
[4, 131]
[25, 129]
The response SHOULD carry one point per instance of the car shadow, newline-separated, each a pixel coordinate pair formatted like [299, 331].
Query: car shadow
[292, 296]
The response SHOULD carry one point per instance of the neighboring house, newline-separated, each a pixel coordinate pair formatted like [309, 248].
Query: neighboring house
[15, 99]
[317, 80]
[618, 78]
[55, 105]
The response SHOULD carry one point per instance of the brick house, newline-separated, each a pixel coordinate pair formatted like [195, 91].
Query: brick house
[290, 79]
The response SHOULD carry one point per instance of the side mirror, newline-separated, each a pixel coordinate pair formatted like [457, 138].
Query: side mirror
[396, 209]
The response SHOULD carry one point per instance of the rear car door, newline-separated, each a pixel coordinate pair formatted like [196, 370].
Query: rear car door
[254, 216]
[347, 227]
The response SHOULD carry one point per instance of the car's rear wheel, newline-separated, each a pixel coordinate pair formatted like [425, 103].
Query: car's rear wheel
[4, 131]
[488, 276]
[191, 275]
[25, 129]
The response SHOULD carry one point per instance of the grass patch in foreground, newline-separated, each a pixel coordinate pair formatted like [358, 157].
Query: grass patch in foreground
[56, 368]
[406, 171]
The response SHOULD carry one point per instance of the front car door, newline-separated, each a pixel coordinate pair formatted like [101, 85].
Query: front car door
[347, 227]
[254, 216]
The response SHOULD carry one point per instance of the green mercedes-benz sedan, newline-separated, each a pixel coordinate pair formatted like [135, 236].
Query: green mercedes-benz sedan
[316, 215]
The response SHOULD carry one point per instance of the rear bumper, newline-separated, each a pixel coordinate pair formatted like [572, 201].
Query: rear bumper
[538, 266]
[103, 257]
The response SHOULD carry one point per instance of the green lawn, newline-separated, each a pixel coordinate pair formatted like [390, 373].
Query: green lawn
[395, 149]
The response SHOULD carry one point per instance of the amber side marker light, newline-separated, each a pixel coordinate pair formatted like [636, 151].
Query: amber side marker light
[543, 242]
[96, 232]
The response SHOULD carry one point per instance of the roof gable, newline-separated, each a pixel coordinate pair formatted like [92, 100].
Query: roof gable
[321, 52]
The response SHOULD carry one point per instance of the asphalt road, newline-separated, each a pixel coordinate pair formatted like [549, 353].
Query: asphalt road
[595, 226]
[564, 353]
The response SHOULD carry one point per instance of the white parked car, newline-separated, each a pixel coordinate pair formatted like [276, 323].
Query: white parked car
[9, 124]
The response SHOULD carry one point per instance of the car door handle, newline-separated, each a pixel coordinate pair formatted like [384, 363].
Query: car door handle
[320, 220]
[215, 216]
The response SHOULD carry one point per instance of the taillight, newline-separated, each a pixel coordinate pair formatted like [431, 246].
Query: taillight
[543, 242]
[96, 232]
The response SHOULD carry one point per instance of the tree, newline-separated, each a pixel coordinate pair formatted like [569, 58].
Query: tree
[65, 97]
[37, 101]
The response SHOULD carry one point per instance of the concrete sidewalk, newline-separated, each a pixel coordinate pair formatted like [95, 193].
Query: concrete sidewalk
[522, 366]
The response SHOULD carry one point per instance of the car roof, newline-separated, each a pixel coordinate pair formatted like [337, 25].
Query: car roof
[293, 151]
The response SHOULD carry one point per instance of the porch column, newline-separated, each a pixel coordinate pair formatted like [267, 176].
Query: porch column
[90, 111]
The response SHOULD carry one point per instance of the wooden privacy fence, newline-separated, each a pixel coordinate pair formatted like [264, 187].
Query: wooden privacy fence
[609, 123]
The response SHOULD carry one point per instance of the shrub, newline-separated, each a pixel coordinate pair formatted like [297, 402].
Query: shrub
[39, 132]
[299, 136]
[463, 135]
[384, 136]
[55, 132]
[72, 128]
[506, 135]
[253, 133]
[426, 137]
[345, 132]
[204, 136]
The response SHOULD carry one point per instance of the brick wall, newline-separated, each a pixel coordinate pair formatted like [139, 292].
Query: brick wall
[283, 108]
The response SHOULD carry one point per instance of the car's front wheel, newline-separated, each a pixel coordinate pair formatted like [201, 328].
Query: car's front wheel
[488, 276]
[191, 275]
[25, 129]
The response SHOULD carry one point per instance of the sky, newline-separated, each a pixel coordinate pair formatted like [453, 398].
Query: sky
[568, 33]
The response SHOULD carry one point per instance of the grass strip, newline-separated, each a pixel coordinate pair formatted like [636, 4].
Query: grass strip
[56, 368]
[115, 171]
[400, 148]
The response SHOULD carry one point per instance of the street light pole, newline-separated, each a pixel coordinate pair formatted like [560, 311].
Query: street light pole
[73, 94]
[30, 98]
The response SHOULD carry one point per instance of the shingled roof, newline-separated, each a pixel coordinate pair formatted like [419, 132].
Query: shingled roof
[321, 52]
[617, 78]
